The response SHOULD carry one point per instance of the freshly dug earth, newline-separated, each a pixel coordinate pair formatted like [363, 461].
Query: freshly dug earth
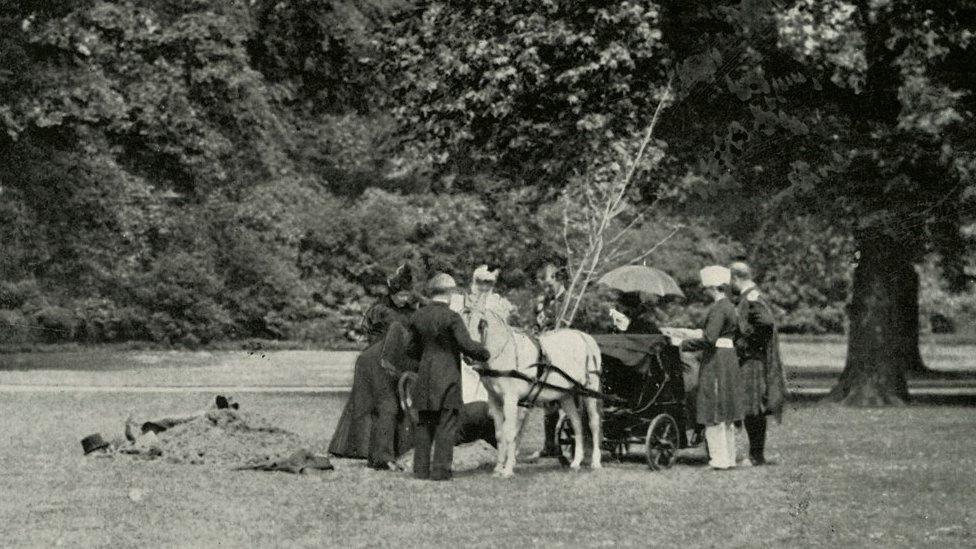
[875, 478]
[222, 438]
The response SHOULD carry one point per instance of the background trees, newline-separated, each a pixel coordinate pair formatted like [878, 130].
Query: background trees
[184, 171]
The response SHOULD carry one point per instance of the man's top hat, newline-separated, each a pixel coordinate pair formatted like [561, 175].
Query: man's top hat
[93, 442]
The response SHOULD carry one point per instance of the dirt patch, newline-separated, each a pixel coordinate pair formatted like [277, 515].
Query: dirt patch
[223, 438]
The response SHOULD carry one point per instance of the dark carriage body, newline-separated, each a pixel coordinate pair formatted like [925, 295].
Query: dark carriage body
[650, 412]
[646, 371]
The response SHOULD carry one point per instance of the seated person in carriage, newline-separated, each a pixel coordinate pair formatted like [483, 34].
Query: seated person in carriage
[634, 315]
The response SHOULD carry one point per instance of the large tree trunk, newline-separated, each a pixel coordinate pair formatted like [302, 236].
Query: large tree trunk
[882, 342]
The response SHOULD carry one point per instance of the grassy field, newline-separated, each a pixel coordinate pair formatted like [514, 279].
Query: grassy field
[293, 368]
[846, 478]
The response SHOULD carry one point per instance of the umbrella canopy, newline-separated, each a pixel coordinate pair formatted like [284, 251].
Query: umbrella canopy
[642, 279]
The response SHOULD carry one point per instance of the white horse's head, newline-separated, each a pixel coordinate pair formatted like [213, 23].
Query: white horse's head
[486, 327]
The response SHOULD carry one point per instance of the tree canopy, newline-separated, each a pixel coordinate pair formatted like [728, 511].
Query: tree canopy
[188, 171]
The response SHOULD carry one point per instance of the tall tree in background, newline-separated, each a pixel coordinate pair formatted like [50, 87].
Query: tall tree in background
[860, 113]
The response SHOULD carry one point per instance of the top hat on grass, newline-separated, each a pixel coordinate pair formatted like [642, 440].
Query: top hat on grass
[92, 443]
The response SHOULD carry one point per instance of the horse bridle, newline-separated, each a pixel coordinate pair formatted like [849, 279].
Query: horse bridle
[483, 327]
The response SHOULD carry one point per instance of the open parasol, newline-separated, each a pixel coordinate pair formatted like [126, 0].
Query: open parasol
[641, 279]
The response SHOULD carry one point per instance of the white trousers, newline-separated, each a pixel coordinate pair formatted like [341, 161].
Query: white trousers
[721, 445]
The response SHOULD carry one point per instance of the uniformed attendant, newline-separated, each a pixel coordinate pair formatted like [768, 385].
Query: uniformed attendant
[719, 402]
[548, 299]
[757, 344]
[438, 338]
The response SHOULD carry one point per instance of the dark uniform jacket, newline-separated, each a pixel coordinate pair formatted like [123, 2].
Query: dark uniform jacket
[720, 397]
[438, 338]
[758, 348]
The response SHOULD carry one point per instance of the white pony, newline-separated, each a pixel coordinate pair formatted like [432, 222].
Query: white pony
[572, 351]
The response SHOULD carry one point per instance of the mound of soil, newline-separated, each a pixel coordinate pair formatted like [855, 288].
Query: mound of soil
[220, 437]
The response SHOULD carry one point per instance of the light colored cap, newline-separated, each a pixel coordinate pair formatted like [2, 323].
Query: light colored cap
[441, 283]
[482, 273]
[715, 275]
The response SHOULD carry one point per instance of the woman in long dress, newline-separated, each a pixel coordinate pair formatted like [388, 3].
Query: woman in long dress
[371, 425]
[720, 401]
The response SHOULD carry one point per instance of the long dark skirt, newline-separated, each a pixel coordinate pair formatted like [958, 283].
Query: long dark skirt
[351, 437]
[720, 397]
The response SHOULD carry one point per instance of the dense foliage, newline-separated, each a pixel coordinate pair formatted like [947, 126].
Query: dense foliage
[186, 171]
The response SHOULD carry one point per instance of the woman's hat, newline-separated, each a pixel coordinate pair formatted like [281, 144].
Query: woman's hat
[441, 283]
[483, 274]
[401, 280]
[93, 442]
[715, 275]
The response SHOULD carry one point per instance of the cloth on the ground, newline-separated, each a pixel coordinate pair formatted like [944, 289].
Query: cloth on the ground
[135, 428]
[297, 463]
[221, 437]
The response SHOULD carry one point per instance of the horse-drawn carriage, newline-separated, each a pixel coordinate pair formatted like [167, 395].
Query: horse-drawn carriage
[646, 407]
[637, 380]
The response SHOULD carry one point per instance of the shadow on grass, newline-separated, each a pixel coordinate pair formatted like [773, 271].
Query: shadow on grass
[967, 399]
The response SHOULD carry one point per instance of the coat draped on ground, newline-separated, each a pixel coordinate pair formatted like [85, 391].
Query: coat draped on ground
[764, 387]
[720, 397]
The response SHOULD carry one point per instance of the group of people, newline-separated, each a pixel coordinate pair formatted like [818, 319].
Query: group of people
[426, 335]
[741, 377]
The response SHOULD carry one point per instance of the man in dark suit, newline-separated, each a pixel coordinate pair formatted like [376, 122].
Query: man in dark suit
[761, 368]
[438, 338]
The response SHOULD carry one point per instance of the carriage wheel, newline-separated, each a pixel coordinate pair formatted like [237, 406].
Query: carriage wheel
[662, 442]
[565, 439]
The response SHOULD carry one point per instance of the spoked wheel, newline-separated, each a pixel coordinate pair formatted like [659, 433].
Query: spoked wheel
[565, 440]
[662, 442]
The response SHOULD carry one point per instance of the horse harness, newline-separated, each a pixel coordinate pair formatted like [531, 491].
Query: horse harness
[544, 368]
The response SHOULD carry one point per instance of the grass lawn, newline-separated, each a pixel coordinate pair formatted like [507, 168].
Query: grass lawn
[847, 478]
[294, 368]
